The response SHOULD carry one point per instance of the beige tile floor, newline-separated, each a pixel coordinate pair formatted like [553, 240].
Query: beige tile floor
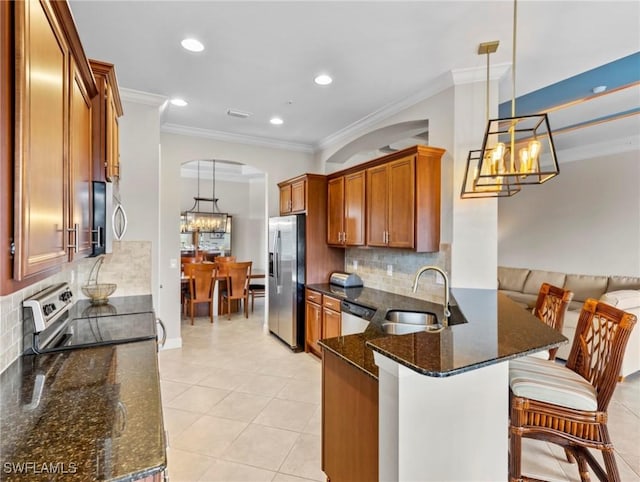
[240, 406]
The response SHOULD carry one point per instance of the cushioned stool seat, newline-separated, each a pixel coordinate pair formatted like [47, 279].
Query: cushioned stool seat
[550, 382]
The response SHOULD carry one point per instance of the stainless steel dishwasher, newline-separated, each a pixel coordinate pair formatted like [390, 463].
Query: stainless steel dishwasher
[355, 317]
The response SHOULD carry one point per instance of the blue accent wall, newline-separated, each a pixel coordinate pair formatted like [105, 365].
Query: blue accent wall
[615, 74]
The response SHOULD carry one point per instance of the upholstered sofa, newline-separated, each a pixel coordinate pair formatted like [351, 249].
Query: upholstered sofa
[522, 285]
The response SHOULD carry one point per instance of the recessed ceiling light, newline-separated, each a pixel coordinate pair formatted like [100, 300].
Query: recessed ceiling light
[192, 45]
[323, 79]
[599, 89]
[179, 102]
[276, 121]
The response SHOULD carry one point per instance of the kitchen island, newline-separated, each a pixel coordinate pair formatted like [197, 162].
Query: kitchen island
[86, 414]
[443, 397]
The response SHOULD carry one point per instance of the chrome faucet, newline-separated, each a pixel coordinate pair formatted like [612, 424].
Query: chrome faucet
[447, 313]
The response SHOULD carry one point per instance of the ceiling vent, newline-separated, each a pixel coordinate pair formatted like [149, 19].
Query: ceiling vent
[238, 113]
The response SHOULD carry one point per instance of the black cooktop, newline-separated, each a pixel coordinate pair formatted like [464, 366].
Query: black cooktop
[105, 330]
[123, 305]
[122, 320]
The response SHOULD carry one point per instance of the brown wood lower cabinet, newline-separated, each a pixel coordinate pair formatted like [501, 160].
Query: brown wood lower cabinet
[322, 319]
[349, 422]
[313, 327]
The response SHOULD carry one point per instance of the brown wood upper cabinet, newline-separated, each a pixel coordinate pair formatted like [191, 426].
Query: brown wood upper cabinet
[293, 196]
[391, 204]
[402, 200]
[81, 163]
[107, 108]
[52, 151]
[346, 210]
[307, 194]
[46, 140]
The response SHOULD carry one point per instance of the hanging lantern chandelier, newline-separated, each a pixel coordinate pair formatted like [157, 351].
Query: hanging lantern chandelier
[516, 149]
[197, 220]
[505, 186]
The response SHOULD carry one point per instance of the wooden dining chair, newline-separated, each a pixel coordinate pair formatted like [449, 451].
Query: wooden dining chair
[237, 278]
[551, 306]
[225, 259]
[256, 290]
[567, 405]
[201, 281]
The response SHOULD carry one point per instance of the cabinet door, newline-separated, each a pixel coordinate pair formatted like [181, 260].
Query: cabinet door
[335, 210]
[298, 196]
[80, 166]
[401, 205]
[313, 327]
[42, 76]
[354, 208]
[112, 137]
[331, 326]
[377, 206]
[285, 199]
[349, 421]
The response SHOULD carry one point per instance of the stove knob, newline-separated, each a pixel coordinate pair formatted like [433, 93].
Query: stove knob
[65, 296]
[48, 308]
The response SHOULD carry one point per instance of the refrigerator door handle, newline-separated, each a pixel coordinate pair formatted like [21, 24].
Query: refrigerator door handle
[274, 268]
[276, 249]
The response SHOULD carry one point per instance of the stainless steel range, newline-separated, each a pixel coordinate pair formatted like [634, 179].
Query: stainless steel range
[52, 321]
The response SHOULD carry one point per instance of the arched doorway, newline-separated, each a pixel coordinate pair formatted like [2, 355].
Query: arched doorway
[242, 195]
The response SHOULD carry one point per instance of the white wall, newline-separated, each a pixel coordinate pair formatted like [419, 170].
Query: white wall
[236, 199]
[277, 164]
[140, 176]
[584, 221]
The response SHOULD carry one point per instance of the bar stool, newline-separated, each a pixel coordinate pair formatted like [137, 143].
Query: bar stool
[567, 405]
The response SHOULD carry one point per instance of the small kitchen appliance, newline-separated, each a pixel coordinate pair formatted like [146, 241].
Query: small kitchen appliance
[345, 280]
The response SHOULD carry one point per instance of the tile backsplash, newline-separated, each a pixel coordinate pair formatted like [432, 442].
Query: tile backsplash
[129, 266]
[372, 266]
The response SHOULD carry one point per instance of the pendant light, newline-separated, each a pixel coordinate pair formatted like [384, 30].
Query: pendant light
[504, 187]
[518, 148]
[196, 220]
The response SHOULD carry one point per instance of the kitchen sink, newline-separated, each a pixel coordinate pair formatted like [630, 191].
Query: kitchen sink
[412, 317]
[401, 322]
[391, 328]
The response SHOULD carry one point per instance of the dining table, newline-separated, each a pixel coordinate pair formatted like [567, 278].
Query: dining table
[221, 280]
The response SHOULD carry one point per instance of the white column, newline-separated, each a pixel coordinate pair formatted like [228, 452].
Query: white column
[474, 247]
[442, 429]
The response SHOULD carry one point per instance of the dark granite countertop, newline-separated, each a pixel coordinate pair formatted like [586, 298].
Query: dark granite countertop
[494, 329]
[87, 415]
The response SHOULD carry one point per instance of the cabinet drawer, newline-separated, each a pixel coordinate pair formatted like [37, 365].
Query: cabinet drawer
[314, 296]
[331, 303]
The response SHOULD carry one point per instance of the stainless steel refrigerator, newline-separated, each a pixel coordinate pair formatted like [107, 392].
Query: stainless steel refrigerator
[287, 278]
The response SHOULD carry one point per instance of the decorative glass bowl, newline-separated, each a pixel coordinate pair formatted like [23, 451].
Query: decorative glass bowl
[99, 293]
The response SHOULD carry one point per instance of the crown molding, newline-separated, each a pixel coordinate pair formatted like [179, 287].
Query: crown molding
[235, 138]
[364, 124]
[139, 97]
[479, 74]
[457, 77]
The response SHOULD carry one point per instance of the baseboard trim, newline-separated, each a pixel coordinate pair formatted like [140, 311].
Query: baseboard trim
[172, 343]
